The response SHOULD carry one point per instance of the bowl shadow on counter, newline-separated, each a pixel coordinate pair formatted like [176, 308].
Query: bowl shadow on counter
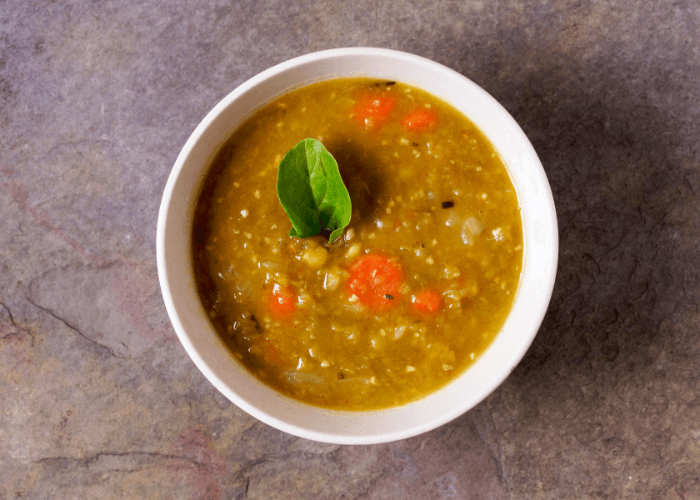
[603, 381]
[627, 222]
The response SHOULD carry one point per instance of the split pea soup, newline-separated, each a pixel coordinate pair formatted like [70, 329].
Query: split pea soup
[415, 288]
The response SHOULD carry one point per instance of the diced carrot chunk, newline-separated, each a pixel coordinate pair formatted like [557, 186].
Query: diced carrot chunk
[419, 119]
[426, 301]
[373, 109]
[281, 301]
[375, 280]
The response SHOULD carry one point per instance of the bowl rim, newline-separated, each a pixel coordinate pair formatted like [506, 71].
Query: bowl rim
[537, 313]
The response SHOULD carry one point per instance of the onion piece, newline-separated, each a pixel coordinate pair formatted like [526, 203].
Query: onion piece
[466, 235]
[453, 219]
[296, 377]
[269, 265]
[474, 225]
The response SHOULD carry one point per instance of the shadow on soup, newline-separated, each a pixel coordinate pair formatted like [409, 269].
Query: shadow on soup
[414, 289]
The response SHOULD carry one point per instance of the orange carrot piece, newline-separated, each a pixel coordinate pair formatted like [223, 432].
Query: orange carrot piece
[375, 280]
[372, 110]
[419, 119]
[426, 301]
[281, 301]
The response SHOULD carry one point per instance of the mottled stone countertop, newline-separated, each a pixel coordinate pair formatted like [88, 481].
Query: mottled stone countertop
[98, 399]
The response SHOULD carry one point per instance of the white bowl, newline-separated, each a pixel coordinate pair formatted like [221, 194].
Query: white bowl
[346, 427]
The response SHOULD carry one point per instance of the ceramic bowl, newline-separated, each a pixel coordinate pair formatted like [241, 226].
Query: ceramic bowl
[197, 335]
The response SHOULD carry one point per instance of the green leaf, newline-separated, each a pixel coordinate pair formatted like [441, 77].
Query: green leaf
[312, 192]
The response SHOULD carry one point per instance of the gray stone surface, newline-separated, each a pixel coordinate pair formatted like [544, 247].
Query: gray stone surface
[99, 400]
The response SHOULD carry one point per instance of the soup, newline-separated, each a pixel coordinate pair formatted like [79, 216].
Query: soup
[415, 288]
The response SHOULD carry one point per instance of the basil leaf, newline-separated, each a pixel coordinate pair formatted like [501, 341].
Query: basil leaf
[312, 192]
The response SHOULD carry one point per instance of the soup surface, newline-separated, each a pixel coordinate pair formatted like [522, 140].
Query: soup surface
[414, 290]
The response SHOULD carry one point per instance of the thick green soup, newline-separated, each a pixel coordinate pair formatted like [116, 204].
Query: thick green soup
[410, 294]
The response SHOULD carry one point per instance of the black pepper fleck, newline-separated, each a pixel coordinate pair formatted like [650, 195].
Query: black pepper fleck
[448, 204]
